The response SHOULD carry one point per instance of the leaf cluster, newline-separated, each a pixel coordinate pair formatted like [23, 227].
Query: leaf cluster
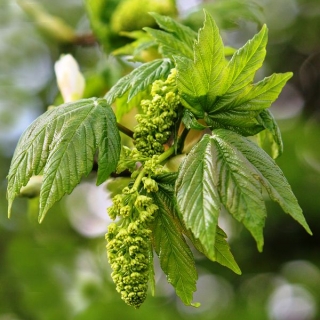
[225, 169]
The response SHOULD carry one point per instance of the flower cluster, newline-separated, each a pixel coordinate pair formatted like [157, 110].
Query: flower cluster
[129, 248]
[155, 124]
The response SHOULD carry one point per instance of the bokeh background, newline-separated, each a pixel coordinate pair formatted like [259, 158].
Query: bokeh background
[59, 269]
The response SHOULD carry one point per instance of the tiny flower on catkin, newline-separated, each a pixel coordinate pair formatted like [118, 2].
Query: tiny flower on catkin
[155, 124]
[129, 245]
[70, 80]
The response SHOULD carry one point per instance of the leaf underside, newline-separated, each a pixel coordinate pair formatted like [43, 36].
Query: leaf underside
[230, 170]
[61, 145]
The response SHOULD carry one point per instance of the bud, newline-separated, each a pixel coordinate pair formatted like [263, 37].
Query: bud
[70, 80]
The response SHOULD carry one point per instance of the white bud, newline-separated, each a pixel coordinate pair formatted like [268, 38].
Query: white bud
[70, 80]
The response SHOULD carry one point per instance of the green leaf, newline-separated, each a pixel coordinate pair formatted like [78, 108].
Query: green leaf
[139, 79]
[268, 173]
[177, 39]
[270, 139]
[241, 114]
[175, 256]
[245, 62]
[182, 32]
[262, 94]
[123, 106]
[240, 191]
[142, 41]
[191, 122]
[199, 81]
[197, 195]
[222, 92]
[63, 142]
[222, 252]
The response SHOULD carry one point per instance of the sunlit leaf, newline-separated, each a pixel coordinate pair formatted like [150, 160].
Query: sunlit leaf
[199, 81]
[197, 195]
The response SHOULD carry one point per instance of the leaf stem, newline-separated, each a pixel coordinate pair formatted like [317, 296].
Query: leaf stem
[125, 130]
[166, 154]
[180, 143]
[138, 179]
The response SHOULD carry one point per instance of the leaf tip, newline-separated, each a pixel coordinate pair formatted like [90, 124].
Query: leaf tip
[41, 216]
[260, 247]
[307, 228]
[195, 304]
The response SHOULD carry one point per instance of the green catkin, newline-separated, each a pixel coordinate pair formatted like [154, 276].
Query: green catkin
[155, 124]
[128, 246]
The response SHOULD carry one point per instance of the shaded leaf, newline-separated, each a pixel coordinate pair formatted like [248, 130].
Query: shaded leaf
[270, 139]
[191, 122]
[269, 175]
[222, 251]
[62, 143]
[175, 256]
[182, 32]
[139, 79]
[176, 39]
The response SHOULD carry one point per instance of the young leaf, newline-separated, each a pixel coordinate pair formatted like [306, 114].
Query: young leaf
[191, 122]
[199, 81]
[182, 32]
[268, 173]
[139, 79]
[197, 195]
[142, 41]
[245, 62]
[63, 142]
[241, 114]
[177, 39]
[123, 106]
[271, 137]
[175, 256]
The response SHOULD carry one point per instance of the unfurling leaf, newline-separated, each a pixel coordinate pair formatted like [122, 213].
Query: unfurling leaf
[61, 144]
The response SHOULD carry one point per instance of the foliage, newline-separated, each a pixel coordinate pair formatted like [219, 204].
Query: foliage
[192, 85]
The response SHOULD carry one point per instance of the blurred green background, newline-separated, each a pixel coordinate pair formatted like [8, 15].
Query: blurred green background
[59, 269]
